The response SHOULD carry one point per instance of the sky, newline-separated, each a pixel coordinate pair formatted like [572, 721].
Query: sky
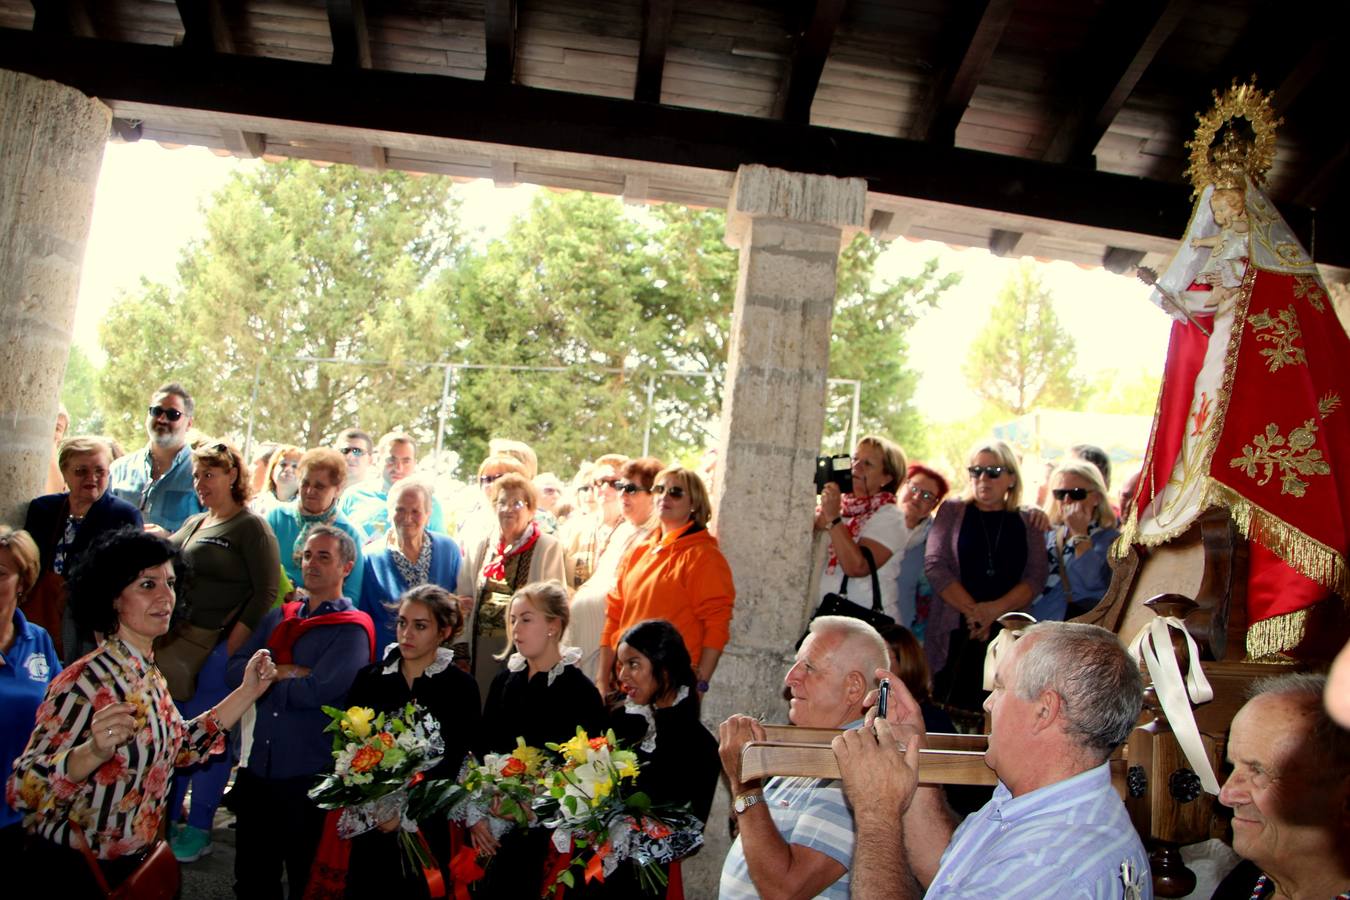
[149, 201]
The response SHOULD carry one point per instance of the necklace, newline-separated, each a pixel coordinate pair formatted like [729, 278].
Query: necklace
[991, 549]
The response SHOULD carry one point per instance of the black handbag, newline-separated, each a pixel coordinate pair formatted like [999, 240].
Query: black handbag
[839, 604]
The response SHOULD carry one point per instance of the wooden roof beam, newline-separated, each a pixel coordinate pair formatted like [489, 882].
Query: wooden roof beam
[351, 38]
[1118, 52]
[1005, 243]
[64, 17]
[243, 144]
[499, 33]
[657, 16]
[971, 45]
[1318, 188]
[1119, 260]
[204, 27]
[810, 50]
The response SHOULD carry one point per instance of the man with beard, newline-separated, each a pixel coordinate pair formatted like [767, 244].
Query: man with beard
[158, 479]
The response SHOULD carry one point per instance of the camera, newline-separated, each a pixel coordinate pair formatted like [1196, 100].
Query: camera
[838, 469]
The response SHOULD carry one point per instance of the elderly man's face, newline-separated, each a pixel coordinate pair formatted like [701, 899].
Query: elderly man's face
[168, 421]
[1010, 717]
[1283, 805]
[818, 684]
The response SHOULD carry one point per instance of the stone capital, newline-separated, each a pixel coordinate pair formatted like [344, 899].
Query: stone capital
[762, 192]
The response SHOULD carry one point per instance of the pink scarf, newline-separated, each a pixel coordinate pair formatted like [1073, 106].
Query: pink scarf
[856, 511]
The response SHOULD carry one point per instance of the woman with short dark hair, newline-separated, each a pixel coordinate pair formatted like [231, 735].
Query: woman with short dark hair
[108, 729]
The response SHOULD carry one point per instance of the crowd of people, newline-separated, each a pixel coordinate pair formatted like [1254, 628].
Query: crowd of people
[179, 613]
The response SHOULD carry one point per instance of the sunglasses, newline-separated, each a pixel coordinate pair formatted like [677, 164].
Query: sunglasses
[485, 480]
[173, 415]
[631, 487]
[990, 472]
[925, 496]
[675, 492]
[1075, 494]
[352, 451]
[601, 482]
[511, 505]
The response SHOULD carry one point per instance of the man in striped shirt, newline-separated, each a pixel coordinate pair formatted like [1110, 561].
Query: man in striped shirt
[1064, 698]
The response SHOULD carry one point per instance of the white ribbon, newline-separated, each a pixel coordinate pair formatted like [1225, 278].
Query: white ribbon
[1001, 642]
[1177, 694]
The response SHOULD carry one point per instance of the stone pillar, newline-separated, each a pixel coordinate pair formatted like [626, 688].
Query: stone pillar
[789, 228]
[51, 146]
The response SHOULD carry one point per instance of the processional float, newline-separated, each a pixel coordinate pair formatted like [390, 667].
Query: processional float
[1231, 564]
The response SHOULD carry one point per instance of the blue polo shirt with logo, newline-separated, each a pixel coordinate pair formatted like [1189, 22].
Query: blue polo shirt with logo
[28, 667]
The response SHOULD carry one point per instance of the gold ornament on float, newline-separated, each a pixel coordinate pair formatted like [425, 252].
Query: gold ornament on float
[1236, 157]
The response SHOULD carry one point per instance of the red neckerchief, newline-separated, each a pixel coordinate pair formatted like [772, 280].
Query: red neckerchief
[495, 570]
[292, 628]
[856, 511]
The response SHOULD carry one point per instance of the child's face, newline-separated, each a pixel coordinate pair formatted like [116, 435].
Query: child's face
[1227, 207]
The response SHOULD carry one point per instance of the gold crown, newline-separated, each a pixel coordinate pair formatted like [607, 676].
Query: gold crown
[1237, 157]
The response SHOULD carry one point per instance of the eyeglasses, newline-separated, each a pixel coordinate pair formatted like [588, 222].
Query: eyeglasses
[353, 451]
[550, 490]
[173, 415]
[485, 480]
[990, 472]
[631, 487]
[511, 505]
[601, 482]
[288, 465]
[675, 491]
[1075, 494]
[925, 496]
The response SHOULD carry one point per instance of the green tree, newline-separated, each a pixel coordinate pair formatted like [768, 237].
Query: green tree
[297, 261]
[1023, 358]
[1127, 393]
[79, 389]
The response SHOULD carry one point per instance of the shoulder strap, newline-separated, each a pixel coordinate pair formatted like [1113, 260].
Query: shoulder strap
[1063, 569]
[872, 570]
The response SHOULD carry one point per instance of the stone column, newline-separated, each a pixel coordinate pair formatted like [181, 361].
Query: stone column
[51, 146]
[789, 228]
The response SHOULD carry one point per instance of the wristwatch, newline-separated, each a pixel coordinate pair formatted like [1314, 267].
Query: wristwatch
[747, 800]
[1076, 539]
[837, 520]
[703, 687]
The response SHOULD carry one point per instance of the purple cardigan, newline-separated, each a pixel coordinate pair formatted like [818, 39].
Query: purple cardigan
[943, 568]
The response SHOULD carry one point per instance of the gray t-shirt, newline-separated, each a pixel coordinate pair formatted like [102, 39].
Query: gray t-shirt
[234, 563]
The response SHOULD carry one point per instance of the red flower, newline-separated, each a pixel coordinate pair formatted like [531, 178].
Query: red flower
[63, 788]
[416, 779]
[366, 759]
[156, 780]
[386, 738]
[104, 697]
[513, 768]
[599, 743]
[111, 771]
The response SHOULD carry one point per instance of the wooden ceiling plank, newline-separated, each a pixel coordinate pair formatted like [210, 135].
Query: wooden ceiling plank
[371, 157]
[811, 49]
[971, 45]
[1318, 188]
[1120, 260]
[657, 16]
[1005, 243]
[351, 37]
[205, 29]
[499, 35]
[1119, 52]
[64, 17]
[243, 144]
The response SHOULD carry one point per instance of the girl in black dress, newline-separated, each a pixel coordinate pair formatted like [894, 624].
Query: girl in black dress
[416, 669]
[543, 697]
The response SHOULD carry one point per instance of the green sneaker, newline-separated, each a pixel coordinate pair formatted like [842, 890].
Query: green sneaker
[190, 844]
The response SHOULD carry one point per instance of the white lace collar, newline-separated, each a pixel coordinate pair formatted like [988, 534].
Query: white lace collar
[648, 744]
[570, 657]
[444, 657]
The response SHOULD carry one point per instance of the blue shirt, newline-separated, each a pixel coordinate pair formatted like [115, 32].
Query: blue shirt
[382, 583]
[366, 505]
[286, 525]
[283, 736]
[1089, 574]
[1065, 841]
[166, 502]
[29, 666]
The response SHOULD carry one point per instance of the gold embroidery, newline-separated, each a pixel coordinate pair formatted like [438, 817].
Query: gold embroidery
[1284, 330]
[1327, 405]
[1306, 288]
[1269, 638]
[1293, 456]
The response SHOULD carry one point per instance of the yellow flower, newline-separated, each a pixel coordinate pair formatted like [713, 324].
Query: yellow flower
[532, 757]
[358, 721]
[625, 763]
[578, 749]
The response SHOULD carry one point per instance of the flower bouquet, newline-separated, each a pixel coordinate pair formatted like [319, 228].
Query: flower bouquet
[502, 789]
[597, 815]
[378, 759]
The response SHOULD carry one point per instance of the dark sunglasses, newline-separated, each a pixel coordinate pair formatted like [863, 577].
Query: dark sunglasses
[1062, 494]
[675, 492]
[352, 451]
[485, 480]
[926, 496]
[173, 415]
[986, 471]
[631, 487]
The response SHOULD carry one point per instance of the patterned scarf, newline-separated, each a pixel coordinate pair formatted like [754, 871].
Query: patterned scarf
[412, 573]
[495, 568]
[307, 522]
[856, 511]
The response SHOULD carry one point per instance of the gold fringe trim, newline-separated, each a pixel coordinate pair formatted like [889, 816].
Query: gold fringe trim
[1271, 637]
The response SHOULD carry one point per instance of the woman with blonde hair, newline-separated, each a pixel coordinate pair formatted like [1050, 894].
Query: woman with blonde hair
[541, 697]
[283, 479]
[1078, 544]
[984, 558]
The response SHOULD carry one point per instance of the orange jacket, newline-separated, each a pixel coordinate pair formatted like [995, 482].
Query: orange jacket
[682, 578]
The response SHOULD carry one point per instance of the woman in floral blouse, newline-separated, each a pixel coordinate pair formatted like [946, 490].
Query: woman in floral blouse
[108, 735]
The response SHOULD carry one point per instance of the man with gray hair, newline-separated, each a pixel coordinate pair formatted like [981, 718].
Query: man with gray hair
[1289, 792]
[1064, 698]
[318, 644]
[796, 834]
